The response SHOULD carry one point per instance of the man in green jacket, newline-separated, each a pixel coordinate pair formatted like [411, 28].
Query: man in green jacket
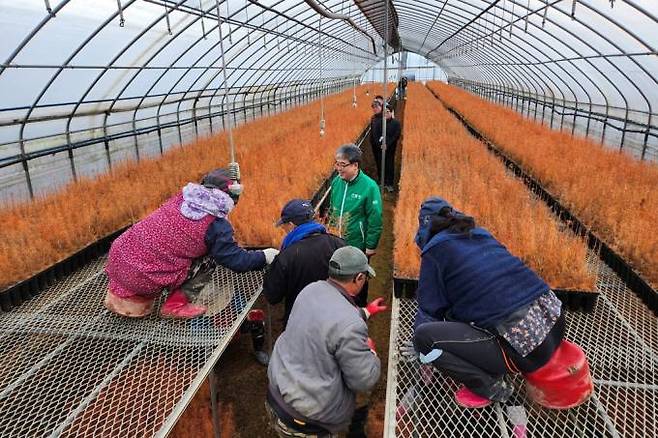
[355, 206]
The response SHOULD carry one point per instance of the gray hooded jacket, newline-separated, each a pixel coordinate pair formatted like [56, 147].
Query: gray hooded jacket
[322, 358]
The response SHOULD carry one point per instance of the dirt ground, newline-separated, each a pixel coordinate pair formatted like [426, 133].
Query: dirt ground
[243, 382]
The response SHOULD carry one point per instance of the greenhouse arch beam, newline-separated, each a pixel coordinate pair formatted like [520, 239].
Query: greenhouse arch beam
[575, 66]
[33, 33]
[230, 75]
[443, 64]
[200, 14]
[320, 10]
[375, 12]
[593, 30]
[497, 52]
[484, 11]
[529, 79]
[212, 78]
[511, 46]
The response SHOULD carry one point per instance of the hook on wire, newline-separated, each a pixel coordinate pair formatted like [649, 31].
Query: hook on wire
[122, 21]
[573, 9]
[322, 122]
[203, 26]
[167, 17]
[49, 9]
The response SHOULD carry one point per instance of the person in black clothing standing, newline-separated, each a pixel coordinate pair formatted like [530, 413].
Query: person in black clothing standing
[402, 88]
[393, 131]
[304, 256]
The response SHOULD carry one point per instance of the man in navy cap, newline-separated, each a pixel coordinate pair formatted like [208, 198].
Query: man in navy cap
[304, 256]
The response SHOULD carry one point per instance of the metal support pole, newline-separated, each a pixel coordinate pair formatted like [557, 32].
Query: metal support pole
[646, 137]
[383, 144]
[26, 169]
[221, 47]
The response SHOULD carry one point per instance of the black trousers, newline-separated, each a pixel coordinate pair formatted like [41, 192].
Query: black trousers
[474, 356]
[361, 299]
[198, 276]
[389, 169]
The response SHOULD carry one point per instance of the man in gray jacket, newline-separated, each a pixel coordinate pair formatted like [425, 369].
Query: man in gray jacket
[324, 357]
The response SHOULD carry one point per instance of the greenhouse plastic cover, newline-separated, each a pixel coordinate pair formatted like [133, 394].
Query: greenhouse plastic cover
[94, 73]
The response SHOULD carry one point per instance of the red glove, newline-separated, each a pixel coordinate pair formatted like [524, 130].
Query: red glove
[375, 307]
[371, 345]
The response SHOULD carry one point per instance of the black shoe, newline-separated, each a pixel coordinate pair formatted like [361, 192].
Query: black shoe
[358, 424]
[502, 391]
[262, 357]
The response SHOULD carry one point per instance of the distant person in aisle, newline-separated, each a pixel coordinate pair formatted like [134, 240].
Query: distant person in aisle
[482, 313]
[402, 88]
[377, 106]
[393, 131]
[177, 248]
[324, 357]
[355, 209]
[304, 257]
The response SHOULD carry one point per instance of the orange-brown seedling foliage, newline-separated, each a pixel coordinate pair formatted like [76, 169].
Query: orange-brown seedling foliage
[612, 193]
[440, 158]
[281, 156]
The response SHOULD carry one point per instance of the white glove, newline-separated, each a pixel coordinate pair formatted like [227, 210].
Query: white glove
[408, 352]
[270, 253]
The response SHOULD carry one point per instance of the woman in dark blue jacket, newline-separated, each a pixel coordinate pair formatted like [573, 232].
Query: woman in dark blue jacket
[481, 311]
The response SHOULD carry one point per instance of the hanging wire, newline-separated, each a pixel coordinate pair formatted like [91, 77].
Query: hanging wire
[353, 59]
[502, 21]
[573, 9]
[322, 122]
[264, 30]
[48, 8]
[228, 24]
[276, 33]
[511, 20]
[203, 26]
[526, 17]
[246, 14]
[493, 25]
[227, 113]
[383, 143]
[543, 21]
[287, 39]
[122, 22]
[167, 17]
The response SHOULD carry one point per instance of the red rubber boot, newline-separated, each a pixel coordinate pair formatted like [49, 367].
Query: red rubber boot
[177, 306]
[468, 399]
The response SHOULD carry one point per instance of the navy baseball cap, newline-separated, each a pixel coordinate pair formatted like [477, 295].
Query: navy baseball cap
[297, 211]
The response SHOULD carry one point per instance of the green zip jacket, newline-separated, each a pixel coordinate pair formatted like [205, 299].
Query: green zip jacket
[356, 210]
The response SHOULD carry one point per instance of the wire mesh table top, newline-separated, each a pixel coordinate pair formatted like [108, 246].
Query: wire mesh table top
[68, 367]
[621, 341]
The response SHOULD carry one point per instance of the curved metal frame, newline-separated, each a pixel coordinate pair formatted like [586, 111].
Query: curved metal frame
[495, 48]
[516, 22]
